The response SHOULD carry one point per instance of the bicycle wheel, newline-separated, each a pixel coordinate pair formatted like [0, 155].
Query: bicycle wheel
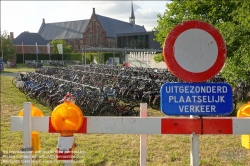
[83, 106]
[42, 99]
[21, 88]
[26, 90]
[108, 111]
[156, 104]
[55, 103]
[134, 111]
[30, 96]
[234, 105]
[125, 111]
[239, 95]
[14, 80]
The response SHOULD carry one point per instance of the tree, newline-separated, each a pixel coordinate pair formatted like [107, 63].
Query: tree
[7, 48]
[230, 17]
[158, 58]
[66, 48]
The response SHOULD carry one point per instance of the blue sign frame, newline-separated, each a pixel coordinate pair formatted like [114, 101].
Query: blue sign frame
[203, 99]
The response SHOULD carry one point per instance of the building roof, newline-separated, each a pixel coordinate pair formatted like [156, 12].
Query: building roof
[63, 30]
[113, 26]
[29, 39]
[75, 29]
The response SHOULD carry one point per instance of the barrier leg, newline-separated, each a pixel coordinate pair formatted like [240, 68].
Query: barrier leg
[194, 150]
[67, 163]
[143, 137]
[65, 150]
[27, 144]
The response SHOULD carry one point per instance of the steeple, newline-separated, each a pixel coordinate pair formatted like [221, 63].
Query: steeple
[132, 17]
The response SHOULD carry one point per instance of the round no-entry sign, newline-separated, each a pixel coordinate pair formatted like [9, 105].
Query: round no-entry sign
[194, 51]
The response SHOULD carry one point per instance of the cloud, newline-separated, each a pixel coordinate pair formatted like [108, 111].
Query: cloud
[28, 15]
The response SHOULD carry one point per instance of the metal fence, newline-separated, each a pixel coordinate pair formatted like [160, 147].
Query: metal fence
[70, 62]
[137, 63]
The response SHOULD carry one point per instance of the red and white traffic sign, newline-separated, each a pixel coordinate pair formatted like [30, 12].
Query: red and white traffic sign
[194, 51]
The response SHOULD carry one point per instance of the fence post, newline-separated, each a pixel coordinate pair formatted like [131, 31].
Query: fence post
[143, 137]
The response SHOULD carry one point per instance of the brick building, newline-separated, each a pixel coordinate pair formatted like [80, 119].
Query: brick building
[98, 31]
[26, 42]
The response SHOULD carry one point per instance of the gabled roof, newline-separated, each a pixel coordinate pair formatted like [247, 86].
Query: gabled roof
[29, 39]
[63, 30]
[113, 26]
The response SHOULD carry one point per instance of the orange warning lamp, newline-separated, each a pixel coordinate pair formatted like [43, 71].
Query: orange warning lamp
[67, 118]
[35, 135]
[244, 111]
[34, 111]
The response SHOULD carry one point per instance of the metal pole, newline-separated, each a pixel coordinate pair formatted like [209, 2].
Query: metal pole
[82, 55]
[99, 57]
[49, 54]
[194, 151]
[2, 45]
[147, 58]
[36, 59]
[113, 56]
[85, 54]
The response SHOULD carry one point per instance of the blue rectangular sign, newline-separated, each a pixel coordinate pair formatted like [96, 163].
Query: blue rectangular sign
[204, 99]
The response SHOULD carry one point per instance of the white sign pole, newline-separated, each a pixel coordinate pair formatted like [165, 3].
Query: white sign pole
[143, 137]
[27, 144]
[194, 149]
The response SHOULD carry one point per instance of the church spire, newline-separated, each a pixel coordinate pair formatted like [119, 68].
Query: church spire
[132, 17]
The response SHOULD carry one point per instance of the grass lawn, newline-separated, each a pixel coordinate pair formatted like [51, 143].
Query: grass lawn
[115, 149]
[20, 67]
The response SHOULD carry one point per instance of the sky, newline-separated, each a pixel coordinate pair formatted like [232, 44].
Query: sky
[20, 16]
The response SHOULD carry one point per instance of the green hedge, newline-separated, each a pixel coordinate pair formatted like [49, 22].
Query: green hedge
[73, 56]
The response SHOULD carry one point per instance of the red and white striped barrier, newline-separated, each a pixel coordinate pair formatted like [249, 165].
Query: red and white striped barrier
[149, 125]
[140, 125]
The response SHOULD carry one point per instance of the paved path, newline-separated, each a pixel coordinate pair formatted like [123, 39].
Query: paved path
[10, 74]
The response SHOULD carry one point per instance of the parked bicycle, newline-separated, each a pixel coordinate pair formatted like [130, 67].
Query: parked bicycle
[100, 90]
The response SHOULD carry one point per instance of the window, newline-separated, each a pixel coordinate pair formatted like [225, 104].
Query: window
[90, 38]
[97, 38]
